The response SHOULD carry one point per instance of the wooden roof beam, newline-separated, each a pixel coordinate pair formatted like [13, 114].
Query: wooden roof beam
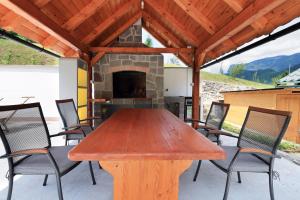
[194, 13]
[100, 28]
[33, 14]
[121, 29]
[237, 6]
[188, 36]
[245, 18]
[138, 50]
[86, 12]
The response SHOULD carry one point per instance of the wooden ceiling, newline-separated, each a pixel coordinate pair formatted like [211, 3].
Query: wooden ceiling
[71, 27]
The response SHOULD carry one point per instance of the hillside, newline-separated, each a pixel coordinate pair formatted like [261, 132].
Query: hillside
[233, 81]
[264, 70]
[18, 54]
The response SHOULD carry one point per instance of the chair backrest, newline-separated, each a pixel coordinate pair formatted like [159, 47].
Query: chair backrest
[263, 129]
[67, 112]
[26, 129]
[217, 114]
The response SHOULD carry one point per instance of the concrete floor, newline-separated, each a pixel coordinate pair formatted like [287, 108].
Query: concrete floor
[209, 186]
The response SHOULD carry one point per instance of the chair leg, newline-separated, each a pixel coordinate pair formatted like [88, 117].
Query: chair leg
[197, 171]
[227, 186]
[59, 189]
[271, 185]
[45, 180]
[10, 186]
[66, 142]
[239, 177]
[92, 173]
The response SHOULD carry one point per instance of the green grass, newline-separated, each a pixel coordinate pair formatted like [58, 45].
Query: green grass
[12, 53]
[230, 80]
[285, 145]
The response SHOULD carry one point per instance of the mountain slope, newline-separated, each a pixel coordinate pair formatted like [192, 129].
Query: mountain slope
[12, 53]
[264, 70]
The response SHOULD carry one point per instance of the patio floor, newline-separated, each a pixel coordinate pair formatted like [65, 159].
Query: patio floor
[209, 186]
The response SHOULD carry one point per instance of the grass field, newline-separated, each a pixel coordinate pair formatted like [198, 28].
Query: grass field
[12, 53]
[230, 80]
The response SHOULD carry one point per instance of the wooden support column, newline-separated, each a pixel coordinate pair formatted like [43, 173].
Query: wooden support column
[198, 61]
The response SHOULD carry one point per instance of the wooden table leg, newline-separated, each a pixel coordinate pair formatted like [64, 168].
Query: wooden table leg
[146, 179]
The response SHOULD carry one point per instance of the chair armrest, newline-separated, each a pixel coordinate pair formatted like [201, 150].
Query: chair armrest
[72, 127]
[90, 118]
[26, 152]
[259, 151]
[206, 127]
[219, 132]
[196, 120]
[75, 131]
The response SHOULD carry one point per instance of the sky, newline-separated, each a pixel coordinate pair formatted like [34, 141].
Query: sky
[286, 45]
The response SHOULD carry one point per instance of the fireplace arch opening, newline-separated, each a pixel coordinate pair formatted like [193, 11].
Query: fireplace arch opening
[129, 84]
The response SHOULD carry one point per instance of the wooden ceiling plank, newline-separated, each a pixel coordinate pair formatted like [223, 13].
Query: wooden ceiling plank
[41, 3]
[188, 36]
[100, 28]
[194, 13]
[8, 19]
[121, 29]
[237, 6]
[245, 18]
[143, 50]
[83, 14]
[34, 15]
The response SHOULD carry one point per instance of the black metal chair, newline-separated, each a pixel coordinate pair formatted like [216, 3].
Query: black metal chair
[260, 135]
[214, 120]
[72, 124]
[28, 146]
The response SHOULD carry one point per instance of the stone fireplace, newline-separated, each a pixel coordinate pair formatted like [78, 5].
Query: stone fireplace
[108, 71]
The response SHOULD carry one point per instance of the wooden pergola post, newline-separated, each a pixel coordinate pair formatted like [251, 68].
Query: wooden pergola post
[198, 61]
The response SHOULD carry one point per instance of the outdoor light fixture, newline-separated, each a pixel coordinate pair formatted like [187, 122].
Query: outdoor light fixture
[142, 4]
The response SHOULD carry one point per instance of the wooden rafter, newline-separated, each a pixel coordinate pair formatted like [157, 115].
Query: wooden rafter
[33, 14]
[100, 28]
[97, 57]
[86, 12]
[175, 23]
[142, 50]
[245, 18]
[194, 13]
[237, 6]
[121, 29]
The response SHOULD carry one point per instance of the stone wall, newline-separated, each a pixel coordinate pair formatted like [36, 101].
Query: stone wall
[152, 65]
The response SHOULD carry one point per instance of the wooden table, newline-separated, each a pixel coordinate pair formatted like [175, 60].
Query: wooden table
[145, 150]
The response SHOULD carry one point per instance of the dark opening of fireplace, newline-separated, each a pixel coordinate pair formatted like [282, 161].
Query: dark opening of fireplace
[129, 84]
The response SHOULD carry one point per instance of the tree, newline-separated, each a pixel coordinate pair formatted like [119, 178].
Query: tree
[221, 70]
[235, 70]
[276, 79]
[174, 61]
[149, 42]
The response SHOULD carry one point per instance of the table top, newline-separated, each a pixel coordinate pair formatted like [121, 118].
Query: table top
[156, 134]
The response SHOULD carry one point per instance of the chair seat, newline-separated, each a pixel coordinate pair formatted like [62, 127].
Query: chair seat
[245, 162]
[211, 137]
[40, 164]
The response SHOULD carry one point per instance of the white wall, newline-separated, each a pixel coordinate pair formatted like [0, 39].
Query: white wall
[177, 81]
[39, 81]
